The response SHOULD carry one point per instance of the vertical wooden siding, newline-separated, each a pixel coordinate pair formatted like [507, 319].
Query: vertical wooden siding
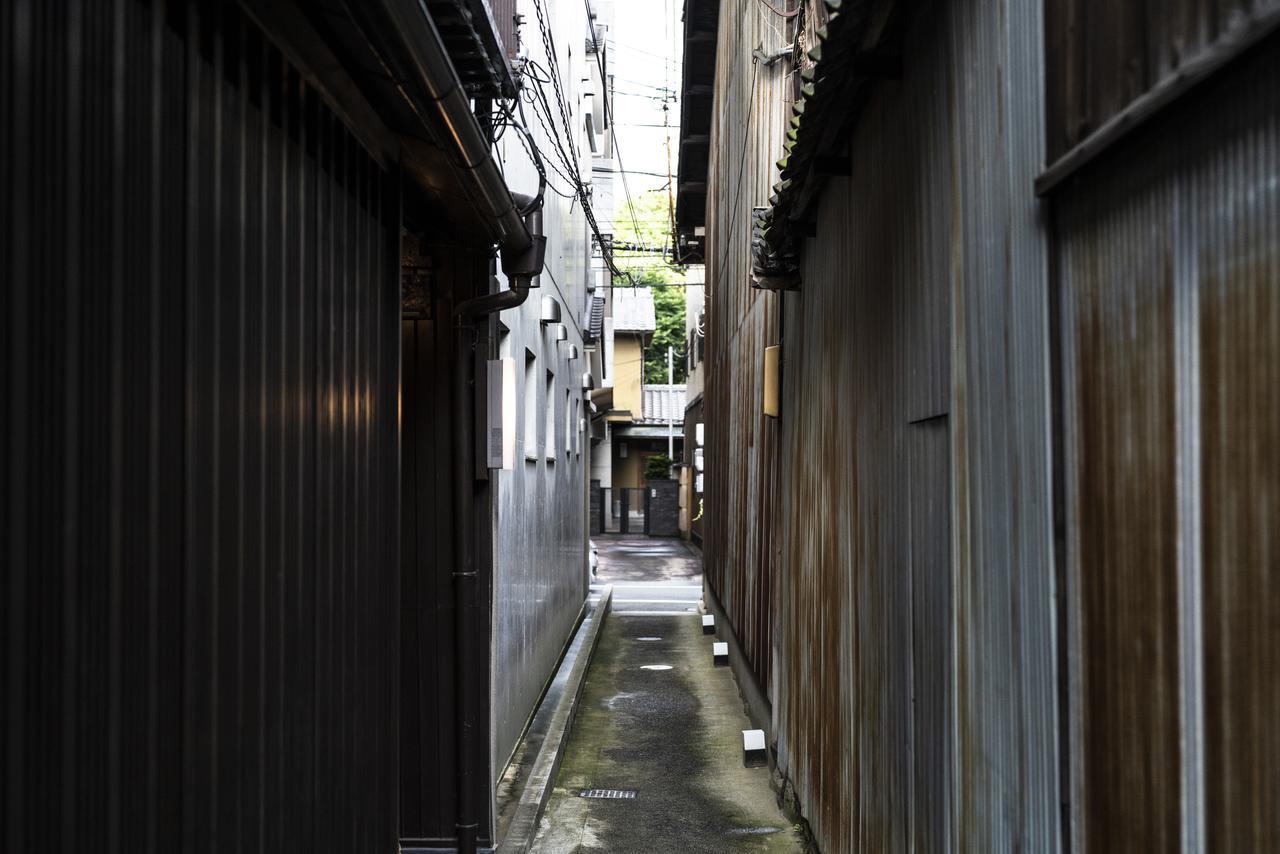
[201, 447]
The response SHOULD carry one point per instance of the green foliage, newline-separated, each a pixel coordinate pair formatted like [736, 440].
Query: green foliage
[648, 223]
[668, 305]
[652, 216]
[657, 467]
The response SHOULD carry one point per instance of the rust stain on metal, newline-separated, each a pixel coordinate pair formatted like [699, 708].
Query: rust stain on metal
[1169, 262]
[916, 387]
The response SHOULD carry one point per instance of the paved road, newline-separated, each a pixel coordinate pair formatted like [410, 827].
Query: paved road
[659, 720]
[649, 575]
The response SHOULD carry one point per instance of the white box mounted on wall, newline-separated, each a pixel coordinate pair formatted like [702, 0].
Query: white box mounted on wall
[501, 427]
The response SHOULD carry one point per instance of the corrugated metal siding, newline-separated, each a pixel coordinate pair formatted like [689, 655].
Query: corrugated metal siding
[915, 701]
[742, 491]
[1168, 264]
[1007, 762]
[201, 444]
[866, 575]
[504, 19]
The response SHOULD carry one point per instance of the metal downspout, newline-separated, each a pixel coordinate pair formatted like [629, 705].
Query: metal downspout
[439, 81]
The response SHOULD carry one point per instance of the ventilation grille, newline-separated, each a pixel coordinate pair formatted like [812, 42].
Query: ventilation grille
[614, 794]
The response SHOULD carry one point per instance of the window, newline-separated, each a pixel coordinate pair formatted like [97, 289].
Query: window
[577, 428]
[549, 438]
[568, 425]
[504, 341]
[530, 406]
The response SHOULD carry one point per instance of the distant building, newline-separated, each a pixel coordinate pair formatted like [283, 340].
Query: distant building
[634, 420]
[693, 458]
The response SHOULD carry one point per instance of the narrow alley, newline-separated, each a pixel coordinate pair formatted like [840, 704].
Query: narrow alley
[654, 426]
[655, 761]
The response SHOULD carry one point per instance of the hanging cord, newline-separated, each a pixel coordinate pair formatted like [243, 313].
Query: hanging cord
[775, 10]
[737, 192]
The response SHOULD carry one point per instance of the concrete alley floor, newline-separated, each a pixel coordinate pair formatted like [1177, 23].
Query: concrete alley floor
[657, 718]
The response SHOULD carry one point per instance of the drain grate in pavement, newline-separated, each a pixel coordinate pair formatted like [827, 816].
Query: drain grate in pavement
[614, 794]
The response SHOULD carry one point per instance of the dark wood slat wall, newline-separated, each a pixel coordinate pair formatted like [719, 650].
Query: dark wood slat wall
[201, 491]
[1100, 56]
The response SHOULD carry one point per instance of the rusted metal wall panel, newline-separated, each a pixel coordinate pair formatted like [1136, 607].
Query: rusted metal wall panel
[742, 497]
[1168, 263]
[929, 549]
[845, 626]
[866, 572]
[200, 443]
[1007, 758]
[914, 459]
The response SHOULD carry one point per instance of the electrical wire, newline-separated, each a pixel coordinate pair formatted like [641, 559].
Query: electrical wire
[608, 111]
[737, 192]
[565, 150]
[780, 13]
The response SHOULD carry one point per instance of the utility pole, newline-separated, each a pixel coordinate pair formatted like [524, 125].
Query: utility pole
[671, 406]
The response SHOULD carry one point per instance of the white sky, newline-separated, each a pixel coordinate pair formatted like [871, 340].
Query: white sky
[645, 43]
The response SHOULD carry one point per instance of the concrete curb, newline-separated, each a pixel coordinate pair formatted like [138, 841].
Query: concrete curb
[554, 718]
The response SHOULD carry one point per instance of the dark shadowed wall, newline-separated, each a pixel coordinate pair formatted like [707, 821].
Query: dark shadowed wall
[199, 511]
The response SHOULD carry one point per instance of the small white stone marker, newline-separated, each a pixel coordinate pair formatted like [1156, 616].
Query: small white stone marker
[708, 624]
[720, 653]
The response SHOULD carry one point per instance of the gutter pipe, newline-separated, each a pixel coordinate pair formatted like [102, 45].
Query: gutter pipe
[430, 65]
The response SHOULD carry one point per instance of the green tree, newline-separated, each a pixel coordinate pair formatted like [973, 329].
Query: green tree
[648, 224]
[668, 305]
[657, 467]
